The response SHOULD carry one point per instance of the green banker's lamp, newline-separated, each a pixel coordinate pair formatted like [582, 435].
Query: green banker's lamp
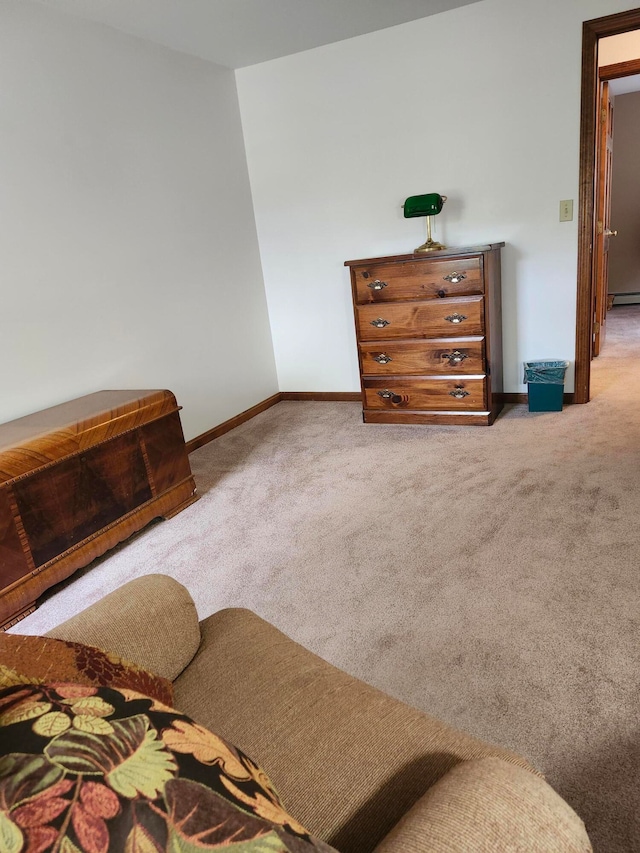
[425, 205]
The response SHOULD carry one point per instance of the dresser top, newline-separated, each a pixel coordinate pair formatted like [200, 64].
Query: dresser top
[450, 252]
[34, 440]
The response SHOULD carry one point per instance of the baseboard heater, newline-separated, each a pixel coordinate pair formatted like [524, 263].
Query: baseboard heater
[625, 298]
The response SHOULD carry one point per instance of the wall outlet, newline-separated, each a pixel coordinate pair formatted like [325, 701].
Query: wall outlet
[566, 210]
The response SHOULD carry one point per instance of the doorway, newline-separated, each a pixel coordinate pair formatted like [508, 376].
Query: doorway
[592, 32]
[617, 256]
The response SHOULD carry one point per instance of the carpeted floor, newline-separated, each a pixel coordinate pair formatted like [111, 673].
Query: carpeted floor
[486, 575]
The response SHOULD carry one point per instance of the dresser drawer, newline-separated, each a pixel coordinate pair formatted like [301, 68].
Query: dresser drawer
[428, 333]
[444, 355]
[449, 393]
[417, 280]
[430, 318]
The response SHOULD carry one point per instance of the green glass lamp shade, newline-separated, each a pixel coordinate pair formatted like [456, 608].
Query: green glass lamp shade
[423, 205]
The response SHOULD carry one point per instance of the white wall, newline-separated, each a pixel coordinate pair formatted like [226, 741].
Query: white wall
[481, 104]
[128, 250]
[621, 48]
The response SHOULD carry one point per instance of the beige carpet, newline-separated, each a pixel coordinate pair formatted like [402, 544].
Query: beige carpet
[486, 575]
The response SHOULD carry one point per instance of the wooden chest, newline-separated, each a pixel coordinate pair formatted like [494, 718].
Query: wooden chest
[429, 330]
[78, 478]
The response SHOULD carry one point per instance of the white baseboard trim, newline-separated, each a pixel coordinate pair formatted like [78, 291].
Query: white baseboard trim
[625, 298]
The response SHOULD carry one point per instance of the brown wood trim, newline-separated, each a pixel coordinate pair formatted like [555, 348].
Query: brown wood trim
[316, 396]
[309, 396]
[584, 305]
[323, 396]
[620, 69]
[517, 399]
[614, 25]
[609, 25]
[232, 423]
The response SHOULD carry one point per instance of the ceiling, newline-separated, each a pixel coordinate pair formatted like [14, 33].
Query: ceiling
[236, 33]
[624, 85]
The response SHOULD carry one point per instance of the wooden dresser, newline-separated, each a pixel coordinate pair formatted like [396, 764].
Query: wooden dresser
[78, 478]
[429, 330]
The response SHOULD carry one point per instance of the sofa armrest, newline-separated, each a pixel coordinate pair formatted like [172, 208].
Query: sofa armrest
[347, 760]
[487, 805]
[151, 621]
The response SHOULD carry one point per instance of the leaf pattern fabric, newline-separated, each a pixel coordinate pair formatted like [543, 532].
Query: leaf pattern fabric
[205, 746]
[87, 769]
[36, 660]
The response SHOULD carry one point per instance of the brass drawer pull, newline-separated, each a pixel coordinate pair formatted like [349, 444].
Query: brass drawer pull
[380, 323]
[377, 284]
[455, 357]
[459, 393]
[454, 277]
[382, 358]
[390, 395]
[455, 318]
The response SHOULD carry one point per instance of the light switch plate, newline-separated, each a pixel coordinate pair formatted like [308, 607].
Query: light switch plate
[566, 210]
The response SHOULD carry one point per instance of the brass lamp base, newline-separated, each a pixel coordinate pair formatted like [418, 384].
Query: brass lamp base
[430, 245]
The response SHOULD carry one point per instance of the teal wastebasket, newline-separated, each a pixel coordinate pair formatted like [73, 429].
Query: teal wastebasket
[545, 381]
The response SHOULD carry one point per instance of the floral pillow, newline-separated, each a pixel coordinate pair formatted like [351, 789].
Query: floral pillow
[103, 770]
[33, 660]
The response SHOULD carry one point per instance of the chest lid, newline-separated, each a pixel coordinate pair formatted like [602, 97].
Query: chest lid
[44, 437]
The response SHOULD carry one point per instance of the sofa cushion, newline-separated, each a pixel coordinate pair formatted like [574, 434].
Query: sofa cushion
[347, 759]
[95, 769]
[487, 805]
[38, 659]
[151, 620]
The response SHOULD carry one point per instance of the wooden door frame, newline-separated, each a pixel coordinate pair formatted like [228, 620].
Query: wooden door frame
[592, 31]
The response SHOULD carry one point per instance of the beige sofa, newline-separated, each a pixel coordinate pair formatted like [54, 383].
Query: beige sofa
[359, 769]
